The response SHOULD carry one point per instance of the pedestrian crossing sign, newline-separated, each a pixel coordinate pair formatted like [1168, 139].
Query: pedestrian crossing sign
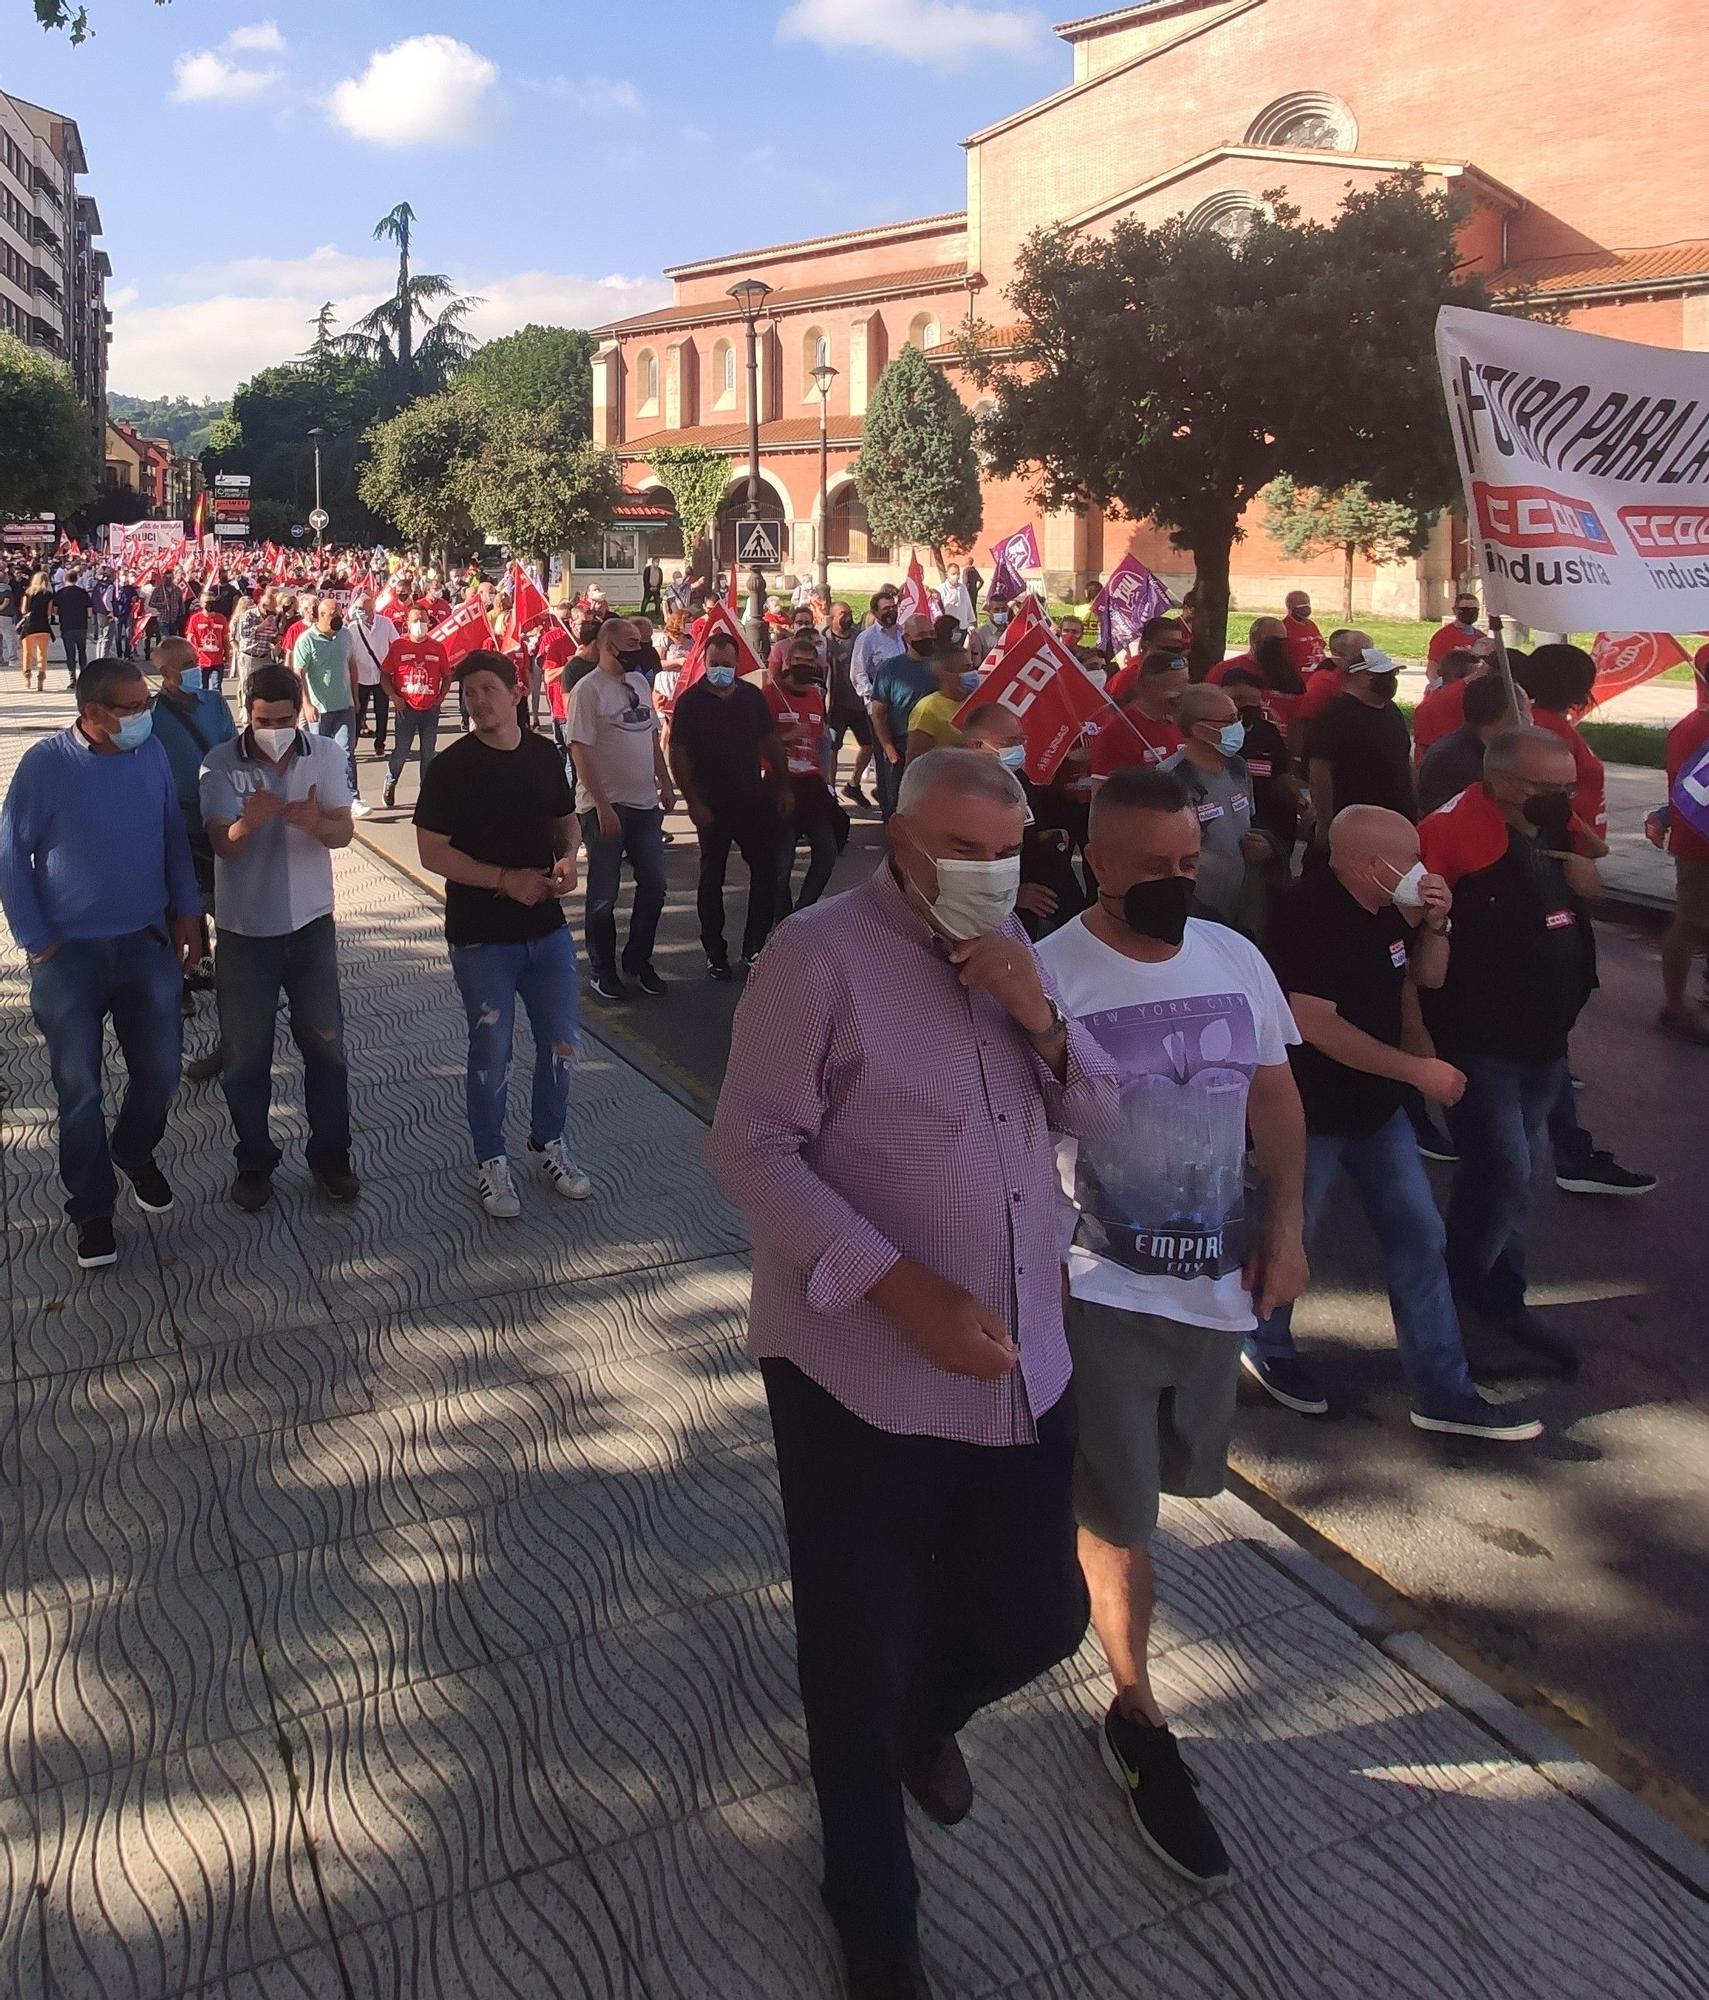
[759, 544]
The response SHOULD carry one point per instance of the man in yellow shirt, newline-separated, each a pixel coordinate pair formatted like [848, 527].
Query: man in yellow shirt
[931, 723]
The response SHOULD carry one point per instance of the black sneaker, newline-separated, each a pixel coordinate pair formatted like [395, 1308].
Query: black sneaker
[152, 1190]
[1603, 1174]
[96, 1245]
[720, 970]
[886, 1979]
[650, 983]
[389, 792]
[856, 797]
[1435, 1144]
[608, 987]
[1287, 1380]
[336, 1178]
[1163, 1796]
[1475, 1416]
[252, 1191]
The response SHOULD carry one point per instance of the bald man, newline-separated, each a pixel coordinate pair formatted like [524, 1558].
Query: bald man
[1352, 944]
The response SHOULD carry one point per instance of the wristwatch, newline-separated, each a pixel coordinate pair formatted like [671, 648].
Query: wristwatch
[1058, 1022]
[1443, 929]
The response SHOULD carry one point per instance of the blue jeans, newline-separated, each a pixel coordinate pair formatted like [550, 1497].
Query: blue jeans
[340, 725]
[249, 975]
[1385, 1168]
[491, 979]
[1497, 1127]
[642, 838]
[137, 980]
[411, 726]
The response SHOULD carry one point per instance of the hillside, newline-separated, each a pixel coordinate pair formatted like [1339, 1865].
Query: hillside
[185, 423]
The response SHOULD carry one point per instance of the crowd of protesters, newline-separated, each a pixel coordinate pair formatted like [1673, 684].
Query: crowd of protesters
[1249, 934]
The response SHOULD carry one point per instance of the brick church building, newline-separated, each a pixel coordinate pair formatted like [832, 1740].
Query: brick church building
[1587, 174]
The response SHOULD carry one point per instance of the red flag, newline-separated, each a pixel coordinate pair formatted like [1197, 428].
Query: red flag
[465, 631]
[527, 601]
[1627, 659]
[719, 618]
[1043, 684]
[916, 601]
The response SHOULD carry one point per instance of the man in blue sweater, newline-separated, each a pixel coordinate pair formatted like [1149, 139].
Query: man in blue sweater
[100, 892]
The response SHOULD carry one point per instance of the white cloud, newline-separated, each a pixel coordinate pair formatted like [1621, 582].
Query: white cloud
[204, 75]
[207, 75]
[592, 94]
[948, 34]
[203, 331]
[430, 90]
[259, 38]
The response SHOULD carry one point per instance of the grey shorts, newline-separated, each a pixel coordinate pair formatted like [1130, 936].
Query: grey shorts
[1156, 1401]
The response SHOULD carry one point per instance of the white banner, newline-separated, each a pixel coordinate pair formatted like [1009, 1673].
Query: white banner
[144, 541]
[1585, 463]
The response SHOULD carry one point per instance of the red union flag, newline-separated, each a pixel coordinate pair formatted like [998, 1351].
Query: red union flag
[527, 601]
[1628, 659]
[1041, 683]
[916, 601]
[719, 618]
[465, 631]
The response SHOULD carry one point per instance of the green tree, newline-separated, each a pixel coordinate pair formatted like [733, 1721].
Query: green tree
[184, 423]
[420, 473]
[112, 504]
[1353, 521]
[697, 477]
[73, 20]
[1172, 374]
[47, 461]
[536, 488]
[537, 369]
[411, 363]
[917, 474]
[266, 434]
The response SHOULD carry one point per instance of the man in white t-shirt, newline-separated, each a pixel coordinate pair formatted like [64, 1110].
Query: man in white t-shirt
[623, 791]
[1165, 1259]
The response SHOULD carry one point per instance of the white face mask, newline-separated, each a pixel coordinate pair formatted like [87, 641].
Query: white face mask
[1405, 891]
[273, 742]
[976, 898]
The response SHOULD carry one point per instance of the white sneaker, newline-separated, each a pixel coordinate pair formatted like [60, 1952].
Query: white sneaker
[360, 808]
[566, 1177]
[496, 1188]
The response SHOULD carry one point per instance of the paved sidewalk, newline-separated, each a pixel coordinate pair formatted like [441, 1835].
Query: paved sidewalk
[393, 1605]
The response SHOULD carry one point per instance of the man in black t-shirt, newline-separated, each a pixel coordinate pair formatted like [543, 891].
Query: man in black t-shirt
[731, 769]
[1351, 945]
[496, 818]
[1359, 751]
[72, 605]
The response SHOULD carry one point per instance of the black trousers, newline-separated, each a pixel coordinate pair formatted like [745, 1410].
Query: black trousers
[931, 1578]
[371, 695]
[755, 829]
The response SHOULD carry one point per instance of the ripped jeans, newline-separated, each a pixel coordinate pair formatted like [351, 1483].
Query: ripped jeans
[491, 979]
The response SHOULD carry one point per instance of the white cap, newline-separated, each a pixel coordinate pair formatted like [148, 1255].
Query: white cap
[1373, 660]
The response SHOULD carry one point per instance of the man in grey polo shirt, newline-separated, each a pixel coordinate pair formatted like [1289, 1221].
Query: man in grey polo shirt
[275, 802]
[1219, 788]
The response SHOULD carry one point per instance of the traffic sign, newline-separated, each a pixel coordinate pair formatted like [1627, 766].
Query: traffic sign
[231, 478]
[318, 518]
[298, 531]
[759, 544]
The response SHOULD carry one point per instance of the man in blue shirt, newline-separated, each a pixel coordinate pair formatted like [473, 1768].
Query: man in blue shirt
[899, 681]
[100, 892]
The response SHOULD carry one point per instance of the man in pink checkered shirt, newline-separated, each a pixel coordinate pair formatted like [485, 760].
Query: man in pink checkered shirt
[897, 1068]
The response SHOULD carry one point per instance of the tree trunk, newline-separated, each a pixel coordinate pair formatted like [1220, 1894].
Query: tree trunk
[1211, 551]
[1346, 583]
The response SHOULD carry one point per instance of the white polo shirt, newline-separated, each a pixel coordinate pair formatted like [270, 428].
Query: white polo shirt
[280, 877]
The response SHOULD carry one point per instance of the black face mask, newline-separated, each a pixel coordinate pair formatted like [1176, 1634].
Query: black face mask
[1551, 814]
[1158, 909]
[923, 648]
[634, 658]
[1467, 617]
[1383, 685]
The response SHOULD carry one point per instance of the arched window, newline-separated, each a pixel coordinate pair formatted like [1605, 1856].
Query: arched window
[847, 537]
[724, 376]
[1306, 118]
[1229, 214]
[923, 330]
[815, 353]
[647, 383]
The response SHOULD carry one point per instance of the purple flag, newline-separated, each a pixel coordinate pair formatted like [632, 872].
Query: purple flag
[1009, 557]
[1690, 793]
[1131, 597]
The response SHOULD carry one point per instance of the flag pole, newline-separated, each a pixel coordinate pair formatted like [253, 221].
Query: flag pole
[1505, 664]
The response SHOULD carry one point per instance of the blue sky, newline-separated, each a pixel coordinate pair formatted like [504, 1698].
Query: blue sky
[557, 154]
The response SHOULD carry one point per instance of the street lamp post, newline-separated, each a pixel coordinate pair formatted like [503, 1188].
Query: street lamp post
[317, 435]
[823, 376]
[750, 296]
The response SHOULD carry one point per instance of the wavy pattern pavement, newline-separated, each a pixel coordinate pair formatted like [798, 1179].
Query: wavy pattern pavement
[393, 1606]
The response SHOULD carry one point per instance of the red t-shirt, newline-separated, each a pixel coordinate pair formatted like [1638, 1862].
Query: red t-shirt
[1684, 740]
[1464, 836]
[1590, 782]
[1455, 637]
[1278, 708]
[1439, 714]
[808, 709]
[420, 670]
[206, 631]
[292, 633]
[1322, 685]
[1131, 738]
[1305, 643]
